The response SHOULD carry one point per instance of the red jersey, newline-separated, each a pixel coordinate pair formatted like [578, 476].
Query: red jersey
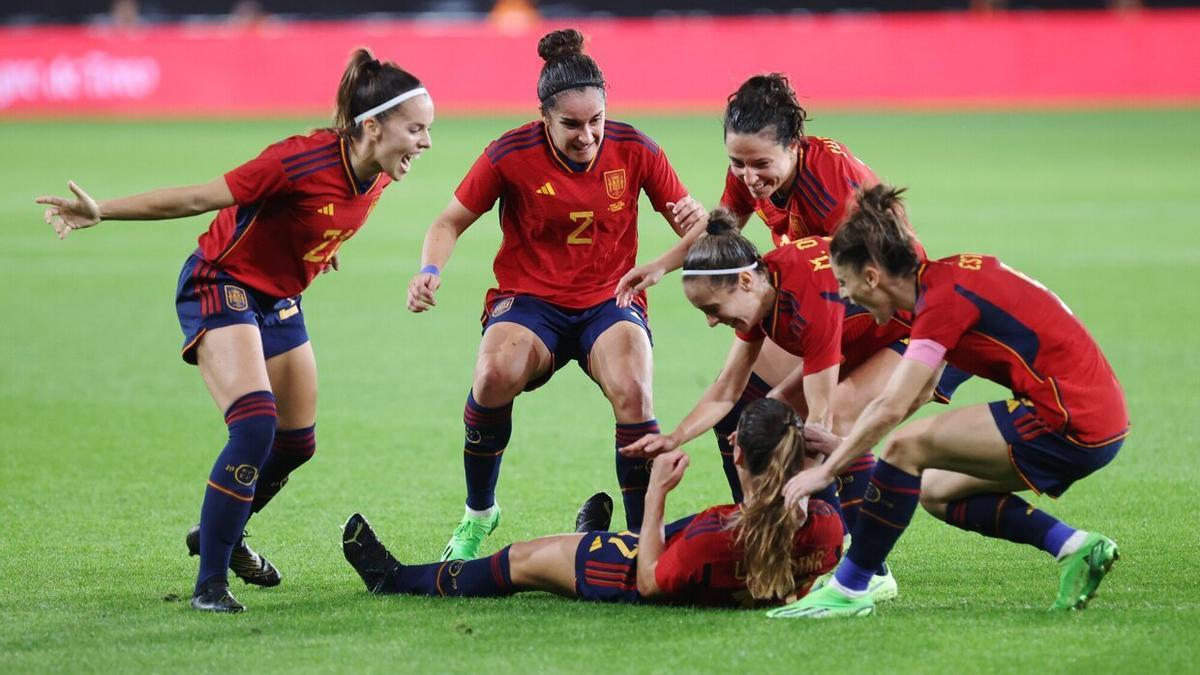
[826, 181]
[703, 565]
[570, 232]
[999, 324]
[295, 205]
[810, 319]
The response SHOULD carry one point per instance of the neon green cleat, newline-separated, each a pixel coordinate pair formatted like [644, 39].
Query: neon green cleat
[1083, 570]
[469, 535]
[826, 602]
[882, 587]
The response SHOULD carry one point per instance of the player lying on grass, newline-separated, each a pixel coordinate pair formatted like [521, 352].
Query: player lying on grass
[280, 220]
[801, 186]
[1067, 417]
[728, 555]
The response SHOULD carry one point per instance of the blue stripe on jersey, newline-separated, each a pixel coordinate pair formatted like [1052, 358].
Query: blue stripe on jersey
[803, 189]
[638, 138]
[514, 148]
[332, 163]
[245, 215]
[306, 153]
[507, 141]
[332, 153]
[816, 183]
[1004, 328]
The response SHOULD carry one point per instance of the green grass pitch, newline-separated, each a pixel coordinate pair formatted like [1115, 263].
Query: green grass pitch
[107, 436]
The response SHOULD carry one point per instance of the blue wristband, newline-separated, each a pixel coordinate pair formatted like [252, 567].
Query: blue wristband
[431, 269]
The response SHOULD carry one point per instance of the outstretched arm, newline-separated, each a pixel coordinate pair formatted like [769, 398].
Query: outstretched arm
[665, 474]
[175, 202]
[688, 218]
[716, 403]
[439, 243]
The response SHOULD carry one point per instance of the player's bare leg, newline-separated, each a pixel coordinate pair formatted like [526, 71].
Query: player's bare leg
[621, 363]
[231, 363]
[510, 356]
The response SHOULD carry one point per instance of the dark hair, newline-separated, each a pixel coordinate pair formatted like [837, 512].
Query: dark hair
[365, 84]
[766, 101]
[876, 231]
[566, 67]
[721, 247]
[771, 438]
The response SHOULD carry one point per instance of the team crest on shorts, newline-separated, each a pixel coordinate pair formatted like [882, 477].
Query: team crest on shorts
[235, 298]
[501, 307]
[614, 183]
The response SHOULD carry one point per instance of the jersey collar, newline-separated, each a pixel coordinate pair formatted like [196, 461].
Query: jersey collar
[359, 187]
[563, 161]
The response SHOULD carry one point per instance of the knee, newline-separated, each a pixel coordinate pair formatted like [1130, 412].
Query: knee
[631, 400]
[905, 451]
[495, 384]
[933, 499]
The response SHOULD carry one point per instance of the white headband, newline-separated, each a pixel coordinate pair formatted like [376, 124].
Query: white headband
[387, 105]
[717, 273]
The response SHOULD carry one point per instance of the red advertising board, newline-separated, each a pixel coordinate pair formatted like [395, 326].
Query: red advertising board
[957, 59]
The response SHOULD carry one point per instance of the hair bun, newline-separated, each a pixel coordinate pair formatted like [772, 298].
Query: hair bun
[721, 221]
[560, 44]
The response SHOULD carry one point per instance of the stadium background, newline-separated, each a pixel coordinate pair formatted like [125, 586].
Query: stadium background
[1063, 137]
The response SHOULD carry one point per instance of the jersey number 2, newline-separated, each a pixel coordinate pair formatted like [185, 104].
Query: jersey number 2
[585, 220]
[319, 254]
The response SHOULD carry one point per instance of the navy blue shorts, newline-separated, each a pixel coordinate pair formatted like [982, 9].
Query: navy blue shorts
[951, 379]
[567, 333]
[606, 563]
[207, 298]
[1048, 462]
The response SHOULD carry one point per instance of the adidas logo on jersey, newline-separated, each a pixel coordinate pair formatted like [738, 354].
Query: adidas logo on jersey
[327, 209]
[546, 189]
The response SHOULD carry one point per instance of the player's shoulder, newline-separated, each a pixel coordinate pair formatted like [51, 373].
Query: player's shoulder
[796, 253]
[514, 141]
[825, 158]
[711, 521]
[302, 146]
[628, 138]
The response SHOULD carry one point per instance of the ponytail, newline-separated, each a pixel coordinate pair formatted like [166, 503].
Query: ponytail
[722, 247]
[877, 232]
[771, 439]
[366, 83]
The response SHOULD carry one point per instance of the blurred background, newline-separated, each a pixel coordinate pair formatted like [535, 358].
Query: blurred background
[271, 57]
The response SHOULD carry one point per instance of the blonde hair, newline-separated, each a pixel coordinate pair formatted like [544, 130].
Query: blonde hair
[772, 442]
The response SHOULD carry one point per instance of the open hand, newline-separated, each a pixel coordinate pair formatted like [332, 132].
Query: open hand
[70, 214]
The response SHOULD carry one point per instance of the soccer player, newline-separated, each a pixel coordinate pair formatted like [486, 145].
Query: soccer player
[568, 188]
[281, 218]
[730, 555]
[1067, 417]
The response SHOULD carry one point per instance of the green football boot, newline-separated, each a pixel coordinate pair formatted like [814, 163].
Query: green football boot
[882, 587]
[1083, 570]
[826, 602]
[469, 535]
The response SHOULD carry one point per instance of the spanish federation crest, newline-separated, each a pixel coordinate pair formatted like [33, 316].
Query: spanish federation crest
[614, 183]
[502, 306]
[235, 298]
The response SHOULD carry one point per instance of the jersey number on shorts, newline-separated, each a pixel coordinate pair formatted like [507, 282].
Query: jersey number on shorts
[324, 251]
[585, 220]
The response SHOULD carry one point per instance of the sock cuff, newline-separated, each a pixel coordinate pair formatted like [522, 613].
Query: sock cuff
[888, 477]
[296, 441]
[501, 569]
[254, 404]
[628, 433]
[478, 415]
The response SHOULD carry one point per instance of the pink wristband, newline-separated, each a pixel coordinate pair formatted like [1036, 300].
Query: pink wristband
[926, 351]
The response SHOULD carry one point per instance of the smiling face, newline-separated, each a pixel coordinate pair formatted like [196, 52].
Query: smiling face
[402, 136]
[576, 123]
[741, 306]
[762, 162]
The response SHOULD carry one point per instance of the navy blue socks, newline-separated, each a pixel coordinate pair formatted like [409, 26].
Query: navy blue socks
[889, 503]
[633, 475]
[230, 491]
[482, 578]
[292, 448]
[487, 434]
[1007, 516]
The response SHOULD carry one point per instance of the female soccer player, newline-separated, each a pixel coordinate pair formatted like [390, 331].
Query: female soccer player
[281, 218]
[726, 555]
[1067, 417]
[568, 187]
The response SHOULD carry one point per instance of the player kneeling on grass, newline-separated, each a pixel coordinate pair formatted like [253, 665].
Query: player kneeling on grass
[727, 555]
[1067, 417]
